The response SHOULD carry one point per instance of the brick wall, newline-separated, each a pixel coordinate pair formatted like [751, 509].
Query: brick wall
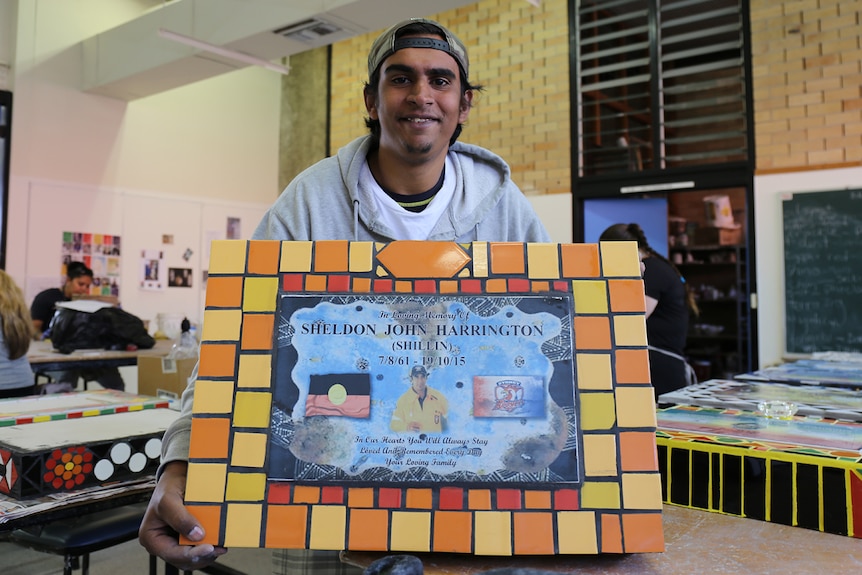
[807, 74]
[520, 54]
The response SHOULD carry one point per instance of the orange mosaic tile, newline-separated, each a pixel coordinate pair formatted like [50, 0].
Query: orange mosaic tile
[286, 526]
[592, 332]
[211, 438]
[369, 529]
[263, 257]
[331, 256]
[621, 492]
[257, 331]
[224, 291]
[580, 260]
[507, 258]
[632, 365]
[534, 533]
[612, 535]
[627, 295]
[453, 531]
[217, 360]
[209, 516]
[643, 532]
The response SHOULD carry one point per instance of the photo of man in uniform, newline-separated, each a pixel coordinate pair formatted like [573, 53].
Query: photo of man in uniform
[420, 408]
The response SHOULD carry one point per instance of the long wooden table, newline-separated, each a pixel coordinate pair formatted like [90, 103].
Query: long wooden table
[43, 356]
[695, 542]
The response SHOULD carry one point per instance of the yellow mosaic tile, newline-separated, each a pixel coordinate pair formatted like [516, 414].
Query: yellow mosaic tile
[576, 532]
[227, 257]
[600, 455]
[600, 495]
[255, 370]
[493, 533]
[642, 491]
[543, 261]
[243, 525]
[630, 330]
[480, 259]
[221, 325]
[260, 294]
[328, 525]
[252, 409]
[249, 449]
[361, 257]
[213, 396]
[206, 482]
[620, 259]
[597, 411]
[594, 371]
[411, 531]
[630, 406]
[245, 486]
[591, 296]
[295, 257]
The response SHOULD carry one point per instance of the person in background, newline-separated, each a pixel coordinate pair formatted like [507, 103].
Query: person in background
[668, 304]
[16, 377]
[79, 278]
[408, 179]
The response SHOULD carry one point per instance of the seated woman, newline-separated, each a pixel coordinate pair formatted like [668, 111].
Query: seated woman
[78, 280]
[16, 377]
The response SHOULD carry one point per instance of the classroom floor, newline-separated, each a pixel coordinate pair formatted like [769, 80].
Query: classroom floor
[126, 558]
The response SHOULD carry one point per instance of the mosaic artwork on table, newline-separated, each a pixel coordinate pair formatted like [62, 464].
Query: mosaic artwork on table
[536, 436]
[737, 463]
[69, 454]
[52, 407]
[820, 401]
[811, 372]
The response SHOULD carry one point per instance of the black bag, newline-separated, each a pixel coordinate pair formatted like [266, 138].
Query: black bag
[107, 328]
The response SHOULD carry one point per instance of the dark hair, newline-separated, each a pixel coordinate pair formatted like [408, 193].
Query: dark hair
[371, 87]
[77, 269]
[634, 233]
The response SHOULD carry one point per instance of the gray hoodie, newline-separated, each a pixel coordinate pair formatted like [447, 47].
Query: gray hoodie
[326, 202]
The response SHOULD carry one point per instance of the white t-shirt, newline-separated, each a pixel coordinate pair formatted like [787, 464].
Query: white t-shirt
[405, 224]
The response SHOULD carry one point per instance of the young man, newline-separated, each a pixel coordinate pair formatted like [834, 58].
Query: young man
[408, 179]
[420, 408]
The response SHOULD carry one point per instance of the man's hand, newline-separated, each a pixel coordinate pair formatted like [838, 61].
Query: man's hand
[166, 516]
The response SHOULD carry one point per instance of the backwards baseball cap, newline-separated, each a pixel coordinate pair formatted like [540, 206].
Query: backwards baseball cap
[389, 42]
[418, 370]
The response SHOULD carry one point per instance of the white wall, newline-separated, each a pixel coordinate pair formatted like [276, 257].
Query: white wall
[174, 163]
[768, 193]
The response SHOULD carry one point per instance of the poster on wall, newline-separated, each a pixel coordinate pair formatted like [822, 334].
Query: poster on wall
[99, 252]
[152, 276]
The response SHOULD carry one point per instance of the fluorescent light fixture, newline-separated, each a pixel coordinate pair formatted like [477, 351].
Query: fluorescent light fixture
[225, 52]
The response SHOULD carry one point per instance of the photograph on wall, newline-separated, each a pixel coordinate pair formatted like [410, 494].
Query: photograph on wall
[234, 229]
[417, 389]
[99, 252]
[180, 277]
[152, 270]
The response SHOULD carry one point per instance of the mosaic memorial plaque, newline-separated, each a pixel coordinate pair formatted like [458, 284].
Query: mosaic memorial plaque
[536, 436]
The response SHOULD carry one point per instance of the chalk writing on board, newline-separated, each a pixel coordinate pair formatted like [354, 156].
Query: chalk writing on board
[823, 271]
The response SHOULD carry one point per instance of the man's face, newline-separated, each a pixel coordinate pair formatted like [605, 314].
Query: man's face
[78, 286]
[419, 381]
[419, 103]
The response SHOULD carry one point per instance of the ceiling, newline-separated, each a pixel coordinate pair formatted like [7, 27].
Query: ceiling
[133, 60]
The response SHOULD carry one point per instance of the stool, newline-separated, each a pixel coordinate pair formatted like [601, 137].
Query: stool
[79, 536]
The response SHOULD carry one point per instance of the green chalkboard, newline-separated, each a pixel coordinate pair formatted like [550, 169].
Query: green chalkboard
[823, 271]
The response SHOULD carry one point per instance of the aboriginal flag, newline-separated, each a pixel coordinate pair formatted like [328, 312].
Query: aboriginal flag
[339, 394]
